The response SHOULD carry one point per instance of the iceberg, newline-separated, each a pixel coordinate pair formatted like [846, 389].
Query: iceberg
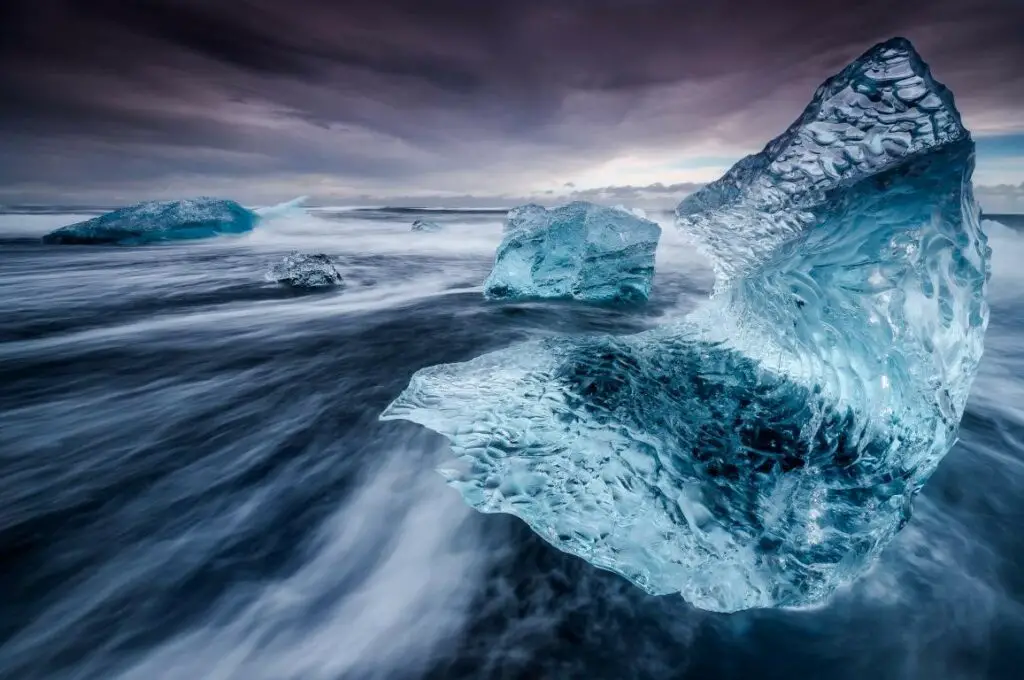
[300, 270]
[424, 225]
[156, 221]
[763, 450]
[579, 251]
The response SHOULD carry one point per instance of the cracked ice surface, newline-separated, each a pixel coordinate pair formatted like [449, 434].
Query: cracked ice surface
[762, 451]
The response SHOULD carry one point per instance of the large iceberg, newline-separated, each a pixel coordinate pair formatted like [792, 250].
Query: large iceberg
[155, 221]
[764, 450]
[579, 251]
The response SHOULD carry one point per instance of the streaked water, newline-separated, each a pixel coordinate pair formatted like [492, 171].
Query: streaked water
[194, 483]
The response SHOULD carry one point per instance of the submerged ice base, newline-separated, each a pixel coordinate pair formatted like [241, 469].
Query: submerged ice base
[579, 251]
[764, 450]
[156, 221]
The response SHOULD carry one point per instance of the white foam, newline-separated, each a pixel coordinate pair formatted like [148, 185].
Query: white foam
[389, 581]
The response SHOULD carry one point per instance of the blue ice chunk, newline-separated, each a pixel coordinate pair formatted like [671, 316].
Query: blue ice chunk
[424, 225]
[301, 270]
[763, 450]
[155, 221]
[579, 251]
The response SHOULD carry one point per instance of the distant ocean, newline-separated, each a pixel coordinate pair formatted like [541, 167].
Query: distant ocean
[195, 484]
[1014, 221]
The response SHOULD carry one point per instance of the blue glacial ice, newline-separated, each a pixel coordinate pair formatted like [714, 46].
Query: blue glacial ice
[762, 451]
[301, 270]
[579, 251]
[155, 221]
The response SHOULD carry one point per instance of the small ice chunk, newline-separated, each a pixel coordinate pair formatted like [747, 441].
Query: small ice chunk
[300, 270]
[425, 225]
[579, 251]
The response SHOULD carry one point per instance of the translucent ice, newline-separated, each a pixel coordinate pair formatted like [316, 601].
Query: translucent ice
[579, 251]
[639, 212]
[764, 450]
[300, 270]
[424, 225]
[282, 209]
[154, 221]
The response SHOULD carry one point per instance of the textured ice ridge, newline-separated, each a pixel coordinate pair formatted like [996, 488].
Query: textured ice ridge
[301, 270]
[155, 221]
[579, 251]
[764, 450]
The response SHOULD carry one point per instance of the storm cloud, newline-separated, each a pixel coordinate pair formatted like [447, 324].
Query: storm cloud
[106, 100]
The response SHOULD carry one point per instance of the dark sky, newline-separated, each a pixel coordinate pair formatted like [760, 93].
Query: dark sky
[110, 100]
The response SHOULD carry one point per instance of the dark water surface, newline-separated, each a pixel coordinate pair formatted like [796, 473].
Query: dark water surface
[194, 483]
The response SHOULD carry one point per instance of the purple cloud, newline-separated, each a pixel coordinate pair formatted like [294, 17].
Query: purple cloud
[393, 98]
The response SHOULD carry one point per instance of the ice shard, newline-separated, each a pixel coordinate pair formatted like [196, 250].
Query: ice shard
[762, 451]
[300, 270]
[579, 251]
[155, 221]
[282, 209]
